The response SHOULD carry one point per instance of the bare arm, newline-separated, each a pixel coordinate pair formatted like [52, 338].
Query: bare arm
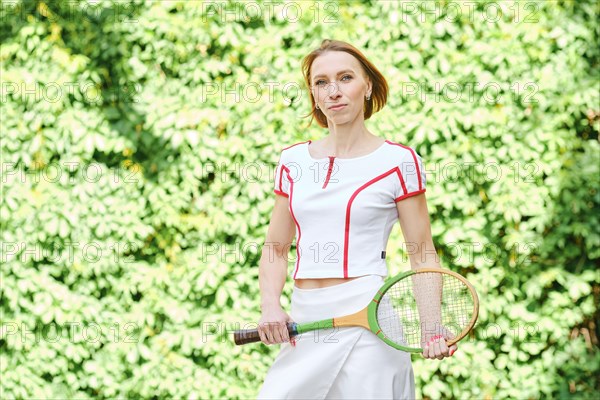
[416, 228]
[272, 273]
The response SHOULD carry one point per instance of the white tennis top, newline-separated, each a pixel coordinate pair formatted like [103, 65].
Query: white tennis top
[344, 208]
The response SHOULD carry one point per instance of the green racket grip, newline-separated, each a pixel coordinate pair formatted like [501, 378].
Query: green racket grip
[245, 336]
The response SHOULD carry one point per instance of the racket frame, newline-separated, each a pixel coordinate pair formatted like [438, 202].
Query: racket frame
[374, 305]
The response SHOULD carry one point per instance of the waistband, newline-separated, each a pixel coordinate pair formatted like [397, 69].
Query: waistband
[334, 301]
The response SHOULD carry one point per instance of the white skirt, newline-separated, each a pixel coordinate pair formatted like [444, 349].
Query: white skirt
[338, 363]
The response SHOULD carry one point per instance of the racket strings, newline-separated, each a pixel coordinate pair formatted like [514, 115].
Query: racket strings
[426, 303]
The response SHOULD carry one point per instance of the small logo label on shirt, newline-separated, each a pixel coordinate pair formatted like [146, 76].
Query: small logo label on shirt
[383, 254]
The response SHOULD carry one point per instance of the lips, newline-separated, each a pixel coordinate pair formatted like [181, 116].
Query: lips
[337, 107]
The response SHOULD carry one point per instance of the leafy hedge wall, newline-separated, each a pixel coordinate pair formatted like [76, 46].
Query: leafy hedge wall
[139, 141]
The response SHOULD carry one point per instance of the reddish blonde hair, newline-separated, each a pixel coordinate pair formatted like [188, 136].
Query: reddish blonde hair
[380, 89]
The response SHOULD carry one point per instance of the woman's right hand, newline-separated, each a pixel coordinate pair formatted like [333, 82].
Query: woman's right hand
[272, 326]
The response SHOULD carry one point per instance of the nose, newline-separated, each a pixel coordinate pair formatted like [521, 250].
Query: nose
[329, 87]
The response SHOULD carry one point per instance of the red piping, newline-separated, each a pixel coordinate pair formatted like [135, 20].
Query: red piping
[412, 152]
[331, 158]
[287, 172]
[295, 144]
[280, 191]
[348, 208]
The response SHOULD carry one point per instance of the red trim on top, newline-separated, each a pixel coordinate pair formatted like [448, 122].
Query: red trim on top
[405, 190]
[279, 190]
[348, 208]
[397, 199]
[296, 144]
[401, 178]
[331, 158]
[279, 185]
[287, 172]
[412, 152]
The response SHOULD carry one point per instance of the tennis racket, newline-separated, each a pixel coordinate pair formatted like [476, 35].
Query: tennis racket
[408, 308]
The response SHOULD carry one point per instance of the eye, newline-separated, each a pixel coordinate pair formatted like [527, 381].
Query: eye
[317, 82]
[346, 76]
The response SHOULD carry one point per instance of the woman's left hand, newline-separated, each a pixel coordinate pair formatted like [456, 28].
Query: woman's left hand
[435, 345]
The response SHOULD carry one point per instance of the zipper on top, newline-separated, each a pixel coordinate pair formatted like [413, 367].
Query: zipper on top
[331, 158]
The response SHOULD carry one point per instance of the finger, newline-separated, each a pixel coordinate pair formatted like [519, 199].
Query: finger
[261, 334]
[428, 350]
[437, 353]
[452, 349]
[285, 335]
[443, 348]
[425, 353]
[265, 334]
[432, 351]
[273, 332]
[277, 333]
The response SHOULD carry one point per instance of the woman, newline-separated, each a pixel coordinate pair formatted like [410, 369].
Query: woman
[341, 196]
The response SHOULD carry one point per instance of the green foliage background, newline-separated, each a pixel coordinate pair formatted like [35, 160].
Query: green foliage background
[134, 206]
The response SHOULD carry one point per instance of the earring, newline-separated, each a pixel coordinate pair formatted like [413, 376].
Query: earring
[369, 97]
[317, 106]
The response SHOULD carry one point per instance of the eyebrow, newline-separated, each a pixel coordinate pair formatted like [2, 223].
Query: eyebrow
[339, 73]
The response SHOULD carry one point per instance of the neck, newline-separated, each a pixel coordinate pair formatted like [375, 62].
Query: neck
[346, 140]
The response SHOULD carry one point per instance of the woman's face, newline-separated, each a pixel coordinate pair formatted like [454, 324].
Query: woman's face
[337, 78]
